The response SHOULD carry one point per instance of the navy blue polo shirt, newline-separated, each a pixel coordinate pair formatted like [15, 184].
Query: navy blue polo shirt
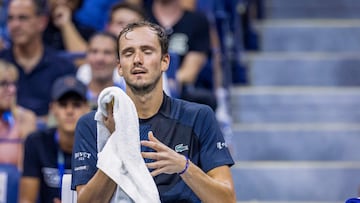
[189, 128]
[34, 88]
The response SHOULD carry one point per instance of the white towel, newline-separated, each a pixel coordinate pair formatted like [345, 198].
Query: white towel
[119, 155]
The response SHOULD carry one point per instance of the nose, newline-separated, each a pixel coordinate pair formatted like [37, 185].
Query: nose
[138, 58]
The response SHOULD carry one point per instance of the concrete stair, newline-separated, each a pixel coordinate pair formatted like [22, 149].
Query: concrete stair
[296, 181]
[295, 104]
[293, 9]
[309, 35]
[303, 69]
[296, 124]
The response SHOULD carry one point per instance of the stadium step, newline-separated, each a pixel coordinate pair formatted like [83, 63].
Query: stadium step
[303, 69]
[309, 35]
[296, 142]
[296, 181]
[312, 9]
[295, 104]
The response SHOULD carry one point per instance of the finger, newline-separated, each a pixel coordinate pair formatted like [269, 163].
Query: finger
[150, 155]
[157, 172]
[152, 137]
[156, 164]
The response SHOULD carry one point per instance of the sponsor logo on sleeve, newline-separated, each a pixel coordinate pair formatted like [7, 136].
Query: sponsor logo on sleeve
[80, 156]
[221, 145]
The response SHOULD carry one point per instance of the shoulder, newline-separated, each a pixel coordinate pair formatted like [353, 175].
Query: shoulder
[40, 137]
[86, 124]
[58, 58]
[196, 16]
[190, 111]
[88, 118]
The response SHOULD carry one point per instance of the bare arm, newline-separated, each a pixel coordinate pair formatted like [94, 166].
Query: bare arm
[73, 41]
[29, 189]
[191, 67]
[100, 188]
[215, 186]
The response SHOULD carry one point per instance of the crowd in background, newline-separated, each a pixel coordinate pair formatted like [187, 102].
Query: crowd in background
[47, 47]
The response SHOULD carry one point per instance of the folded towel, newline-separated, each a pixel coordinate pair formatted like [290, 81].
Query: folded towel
[119, 155]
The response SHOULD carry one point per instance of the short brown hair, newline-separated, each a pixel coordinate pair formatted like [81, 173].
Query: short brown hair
[160, 32]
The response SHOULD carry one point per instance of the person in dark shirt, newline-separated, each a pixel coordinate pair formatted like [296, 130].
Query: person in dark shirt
[39, 66]
[189, 38]
[190, 160]
[47, 153]
[63, 32]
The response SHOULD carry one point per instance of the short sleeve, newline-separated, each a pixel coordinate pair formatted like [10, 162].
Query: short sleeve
[31, 162]
[84, 156]
[213, 150]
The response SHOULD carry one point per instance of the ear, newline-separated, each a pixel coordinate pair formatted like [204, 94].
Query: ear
[165, 61]
[119, 68]
[52, 107]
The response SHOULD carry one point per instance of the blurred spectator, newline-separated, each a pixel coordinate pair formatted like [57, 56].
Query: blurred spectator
[63, 32]
[189, 38]
[47, 153]
[217, 64]
[122, 14]
[101, 59]
[37, 64]
[15, 122]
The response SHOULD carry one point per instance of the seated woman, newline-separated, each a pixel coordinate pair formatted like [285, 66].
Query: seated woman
[15, 122]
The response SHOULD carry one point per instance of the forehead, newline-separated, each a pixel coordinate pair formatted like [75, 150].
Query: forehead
[103, 41]
[21, 6]
[141, 36]
[124, 13]
[7, 73]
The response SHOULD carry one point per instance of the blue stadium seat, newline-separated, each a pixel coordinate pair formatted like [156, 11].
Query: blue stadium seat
[353, 200]
[9, 183]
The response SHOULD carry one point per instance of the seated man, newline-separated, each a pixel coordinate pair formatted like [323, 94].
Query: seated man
[48, 152]
[38, 65]
[189, 159]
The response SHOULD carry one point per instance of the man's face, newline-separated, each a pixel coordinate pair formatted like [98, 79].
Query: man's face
[67, 112]
[101, 56]
[120, 18]
[23, 23]
[141, 62]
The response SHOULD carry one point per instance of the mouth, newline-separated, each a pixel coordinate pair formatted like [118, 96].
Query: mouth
[138, 71]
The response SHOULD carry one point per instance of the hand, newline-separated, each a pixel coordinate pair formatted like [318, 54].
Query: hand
[109, 120]
[165, 159]
[61, 15]
[56, 200]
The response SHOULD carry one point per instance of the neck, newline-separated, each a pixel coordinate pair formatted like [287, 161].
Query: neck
[147, 105]
[28, 56]
[96, 86]
[66, 141]
[167, 14]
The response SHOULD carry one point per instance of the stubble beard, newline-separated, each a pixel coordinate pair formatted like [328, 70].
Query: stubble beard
[146, 88]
